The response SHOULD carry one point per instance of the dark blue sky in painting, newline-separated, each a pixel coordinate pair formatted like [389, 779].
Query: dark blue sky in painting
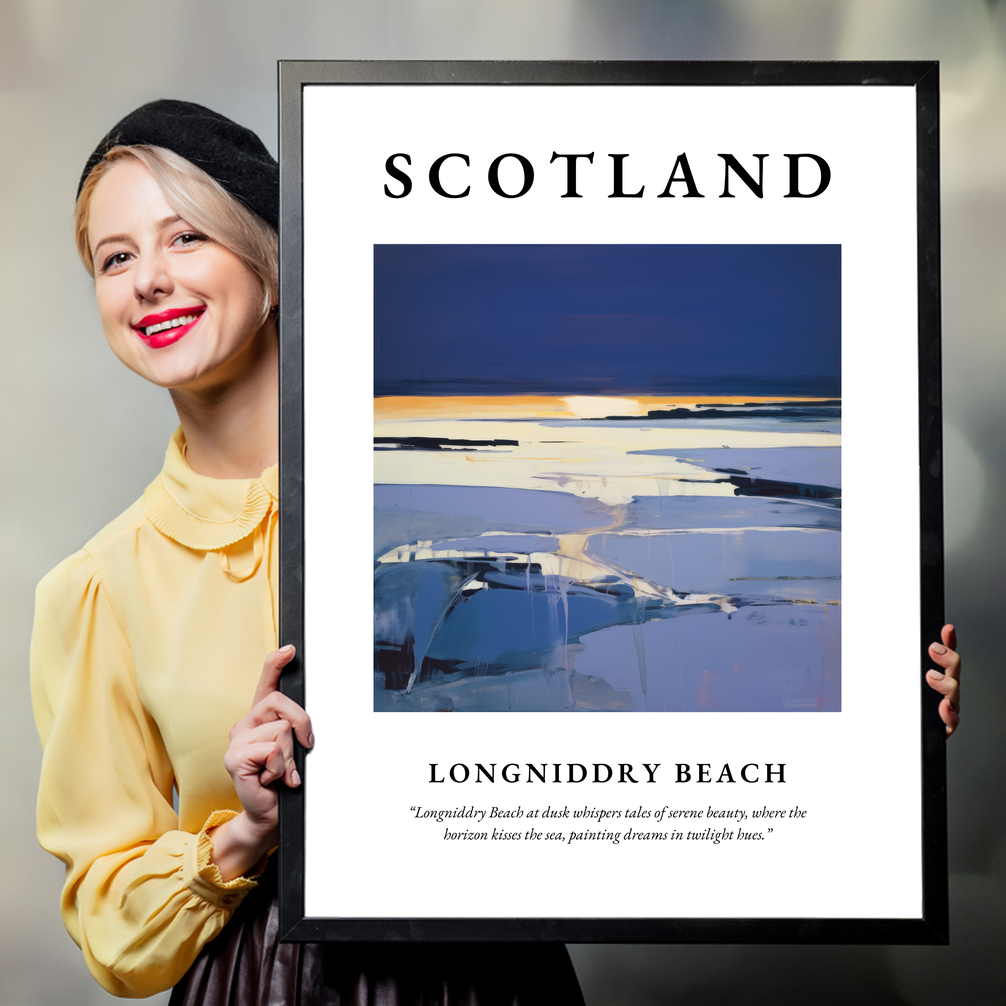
[607, 319]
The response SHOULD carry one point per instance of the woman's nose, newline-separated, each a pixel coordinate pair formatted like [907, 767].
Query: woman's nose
[152, 277]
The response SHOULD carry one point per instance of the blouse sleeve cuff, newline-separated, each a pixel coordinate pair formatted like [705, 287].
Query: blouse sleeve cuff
[202, 876]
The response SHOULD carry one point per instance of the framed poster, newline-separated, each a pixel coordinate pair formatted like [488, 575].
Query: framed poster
[651, 504]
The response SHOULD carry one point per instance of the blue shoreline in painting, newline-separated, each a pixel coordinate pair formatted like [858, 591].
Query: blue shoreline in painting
[752, 621]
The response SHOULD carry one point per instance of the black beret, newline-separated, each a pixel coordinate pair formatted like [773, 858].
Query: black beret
[231, 154]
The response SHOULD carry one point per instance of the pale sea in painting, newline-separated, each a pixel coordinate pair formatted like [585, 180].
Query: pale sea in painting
[619, 554]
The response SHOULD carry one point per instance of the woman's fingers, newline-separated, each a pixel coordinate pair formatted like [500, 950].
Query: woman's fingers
[261, 749]
[274, 766]
[949, 712]
[277, 735]
[949, 688]
[949, 636]
[945, 655]
[277, 706]
[259, 760]
[271, 671]
[270, 703]
[947, 681]
[949, 660]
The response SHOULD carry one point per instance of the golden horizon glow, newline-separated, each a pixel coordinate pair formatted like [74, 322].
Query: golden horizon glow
[549, 407]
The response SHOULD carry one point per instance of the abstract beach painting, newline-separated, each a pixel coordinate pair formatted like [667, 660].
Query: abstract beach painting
[607, 478]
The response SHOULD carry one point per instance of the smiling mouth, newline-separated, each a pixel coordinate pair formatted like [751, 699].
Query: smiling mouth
[146, 331]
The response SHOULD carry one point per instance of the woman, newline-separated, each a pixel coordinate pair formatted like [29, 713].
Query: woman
[148, 643]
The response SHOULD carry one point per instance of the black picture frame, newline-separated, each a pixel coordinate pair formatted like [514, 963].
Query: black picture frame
[931, 927]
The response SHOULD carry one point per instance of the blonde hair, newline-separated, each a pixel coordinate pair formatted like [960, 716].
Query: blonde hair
[199, 200]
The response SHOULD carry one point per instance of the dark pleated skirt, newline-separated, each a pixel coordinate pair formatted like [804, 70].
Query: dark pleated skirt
[246, 965]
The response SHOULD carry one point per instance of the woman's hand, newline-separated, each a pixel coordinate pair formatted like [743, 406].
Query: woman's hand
[260, 753]
[947, 682]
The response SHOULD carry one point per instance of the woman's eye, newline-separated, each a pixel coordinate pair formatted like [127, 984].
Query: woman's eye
[114, 261]
[190, 238]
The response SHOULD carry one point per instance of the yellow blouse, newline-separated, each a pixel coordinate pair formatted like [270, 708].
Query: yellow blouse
[147, 647]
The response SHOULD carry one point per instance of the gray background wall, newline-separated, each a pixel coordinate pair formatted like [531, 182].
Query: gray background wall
[82, 436]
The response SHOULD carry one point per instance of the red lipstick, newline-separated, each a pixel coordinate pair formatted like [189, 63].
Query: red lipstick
[166, 327]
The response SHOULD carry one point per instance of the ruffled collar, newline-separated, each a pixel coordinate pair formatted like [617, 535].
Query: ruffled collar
[203, 513]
